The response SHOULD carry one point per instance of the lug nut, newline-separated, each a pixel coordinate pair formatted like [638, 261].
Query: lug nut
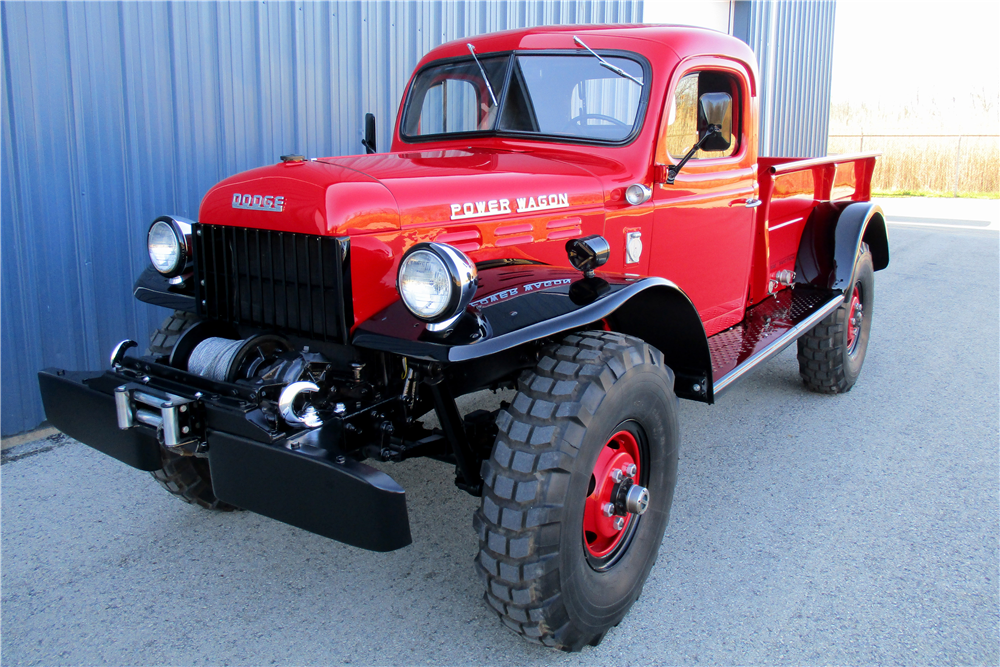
[616, 475]
[619, 522]
[629, 469]
[608, 509]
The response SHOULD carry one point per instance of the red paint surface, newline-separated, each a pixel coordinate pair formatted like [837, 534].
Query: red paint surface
[599, 533]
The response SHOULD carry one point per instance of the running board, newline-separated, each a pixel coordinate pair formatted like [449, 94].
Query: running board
[768, 328]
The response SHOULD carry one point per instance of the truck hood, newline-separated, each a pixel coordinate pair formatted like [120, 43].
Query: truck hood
[475, 196]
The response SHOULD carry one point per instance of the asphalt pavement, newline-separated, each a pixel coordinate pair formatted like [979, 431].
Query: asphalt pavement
[810, 530]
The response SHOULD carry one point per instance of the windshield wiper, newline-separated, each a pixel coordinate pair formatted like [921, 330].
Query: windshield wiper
[604, 63]
[472, 50]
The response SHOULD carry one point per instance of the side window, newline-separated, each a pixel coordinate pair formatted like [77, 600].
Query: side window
[682, 125]
[452, 105]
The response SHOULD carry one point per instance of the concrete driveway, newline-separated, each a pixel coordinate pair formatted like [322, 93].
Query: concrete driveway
[806, 529]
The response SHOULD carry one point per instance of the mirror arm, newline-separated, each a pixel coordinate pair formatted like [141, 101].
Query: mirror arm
[368, 142]
[675, 169]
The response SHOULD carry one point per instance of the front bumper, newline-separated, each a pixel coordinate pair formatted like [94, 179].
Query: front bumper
[302, 480]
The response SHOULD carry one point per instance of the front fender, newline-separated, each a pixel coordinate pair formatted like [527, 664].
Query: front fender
[831, 239]
[154, 288]
[517, 305]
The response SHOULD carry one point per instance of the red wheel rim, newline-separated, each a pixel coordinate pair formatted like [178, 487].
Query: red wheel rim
[855, 317]
[599, 532]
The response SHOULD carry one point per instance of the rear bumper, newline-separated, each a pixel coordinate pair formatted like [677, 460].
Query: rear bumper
[302, 480]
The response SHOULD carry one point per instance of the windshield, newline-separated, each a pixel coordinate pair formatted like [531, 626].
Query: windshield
[571, 96]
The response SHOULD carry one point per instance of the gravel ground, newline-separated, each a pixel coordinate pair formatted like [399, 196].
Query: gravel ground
[855, 529]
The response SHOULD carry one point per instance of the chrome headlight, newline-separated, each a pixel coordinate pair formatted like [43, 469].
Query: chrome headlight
[436, 281]
[169, 245]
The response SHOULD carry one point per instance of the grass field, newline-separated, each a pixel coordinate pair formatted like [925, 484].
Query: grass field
[927, 148]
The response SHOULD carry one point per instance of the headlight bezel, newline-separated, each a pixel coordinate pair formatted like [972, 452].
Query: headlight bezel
[462, 275]
[181, 229]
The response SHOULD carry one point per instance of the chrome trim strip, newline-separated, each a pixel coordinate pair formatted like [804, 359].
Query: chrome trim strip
[784, 224]
[777, 346]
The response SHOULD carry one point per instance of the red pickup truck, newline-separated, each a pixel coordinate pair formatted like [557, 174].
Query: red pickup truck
[578, 213]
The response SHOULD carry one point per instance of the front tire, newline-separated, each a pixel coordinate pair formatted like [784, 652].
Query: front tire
[189, 479]
[554, 572]
[186, 477]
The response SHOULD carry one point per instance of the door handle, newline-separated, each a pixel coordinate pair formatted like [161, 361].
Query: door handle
[753, 202]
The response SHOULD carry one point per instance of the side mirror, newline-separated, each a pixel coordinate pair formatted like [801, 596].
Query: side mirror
[715, 121]
[715, 129]
[369, 141]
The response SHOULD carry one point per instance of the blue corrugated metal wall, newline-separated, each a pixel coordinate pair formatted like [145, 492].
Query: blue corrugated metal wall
[793, 42]
[114, 113]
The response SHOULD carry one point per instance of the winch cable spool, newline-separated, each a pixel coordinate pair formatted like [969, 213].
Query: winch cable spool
[213, 357]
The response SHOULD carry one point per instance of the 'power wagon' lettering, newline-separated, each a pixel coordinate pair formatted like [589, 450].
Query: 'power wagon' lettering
[543, 202]
[482, 209]
[513, 291]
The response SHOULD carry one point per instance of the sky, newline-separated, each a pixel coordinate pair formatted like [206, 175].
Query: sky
[899, 50]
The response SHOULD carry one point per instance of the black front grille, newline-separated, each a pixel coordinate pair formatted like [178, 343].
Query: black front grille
[297, 283]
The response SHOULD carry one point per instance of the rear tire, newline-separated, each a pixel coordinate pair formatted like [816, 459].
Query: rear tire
[548, 578]
[831, 353]
[186, 477]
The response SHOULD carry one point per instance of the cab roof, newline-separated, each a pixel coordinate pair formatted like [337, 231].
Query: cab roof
[656, 42]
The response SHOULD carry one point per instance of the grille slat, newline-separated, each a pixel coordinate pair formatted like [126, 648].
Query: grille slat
[322, 283]
[239, 268]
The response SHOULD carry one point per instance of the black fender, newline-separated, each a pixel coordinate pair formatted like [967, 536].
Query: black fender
[518, 305]
[154, 288]
[831, 240]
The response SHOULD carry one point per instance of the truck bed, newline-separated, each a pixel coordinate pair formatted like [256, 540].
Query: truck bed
[791, 189]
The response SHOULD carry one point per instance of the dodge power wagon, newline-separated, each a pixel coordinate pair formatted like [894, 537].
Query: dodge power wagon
[576, 213]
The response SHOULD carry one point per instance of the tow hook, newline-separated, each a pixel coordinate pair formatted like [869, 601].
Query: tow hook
[308, 417]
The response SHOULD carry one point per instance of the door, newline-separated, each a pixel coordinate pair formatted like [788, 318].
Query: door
[703, 222]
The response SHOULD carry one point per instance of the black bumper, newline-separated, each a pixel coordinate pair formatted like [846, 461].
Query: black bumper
[311, 486]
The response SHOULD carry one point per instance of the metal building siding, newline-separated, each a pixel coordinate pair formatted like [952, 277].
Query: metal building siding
[793, 42]
[114, 113]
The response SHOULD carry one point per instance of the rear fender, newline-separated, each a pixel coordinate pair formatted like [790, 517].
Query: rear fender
[522, 304]
[832, 238]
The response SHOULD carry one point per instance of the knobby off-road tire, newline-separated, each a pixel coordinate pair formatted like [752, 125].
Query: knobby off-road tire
[189, 479]
[831, 353]
[186, 477]
[585, 395]
[162, 341]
